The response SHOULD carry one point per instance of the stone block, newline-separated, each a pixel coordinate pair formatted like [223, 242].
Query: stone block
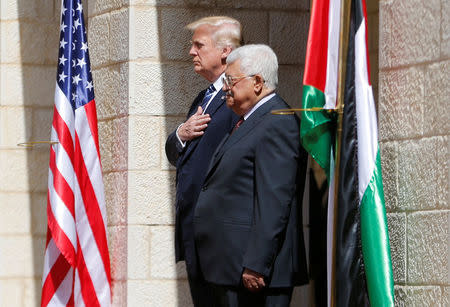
[15, 126]
[11, 292]
[175, 38]
[111, 89]
[38, 85]
[151, 197]
[22, 256]
[116, 197]
[113, 139]
[99, 38]
[10, 41]
[32, 290]
[27, 85]
[119, 291]
[417, 296]
[389, 167]
[118, 244]
[163, 264]
[428, 252]
[290, 83]
[261, 5]
[139, 252]
[423, 174]
[445, 29]
[15, 217]
[169, 125]
[410, 32]
[41, 123]
[288, 36]
[446, 295]
[23, 45]
[11, 9]
[38, 210]
[144, 142]
[163, 89]
[158, 293]
[397, 240]
[437, 98]
[400, 106]
[144, 36]
[119, 35]
[96, 7]
[29, 168]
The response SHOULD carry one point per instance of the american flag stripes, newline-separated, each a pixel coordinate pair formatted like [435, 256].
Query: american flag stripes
[77, 266]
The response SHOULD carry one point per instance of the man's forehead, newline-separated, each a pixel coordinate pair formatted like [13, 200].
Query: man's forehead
[233, 68]
[203, 31]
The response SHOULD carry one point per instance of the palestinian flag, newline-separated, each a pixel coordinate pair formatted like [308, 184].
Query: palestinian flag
[363, 265]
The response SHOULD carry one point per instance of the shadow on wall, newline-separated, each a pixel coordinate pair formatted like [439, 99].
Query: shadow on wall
[284, 27]
[38, 26]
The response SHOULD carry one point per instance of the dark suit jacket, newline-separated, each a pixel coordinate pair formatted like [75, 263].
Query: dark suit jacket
[248, 214]
[192, 162]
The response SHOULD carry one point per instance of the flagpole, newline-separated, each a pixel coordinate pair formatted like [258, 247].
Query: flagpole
[343, 48]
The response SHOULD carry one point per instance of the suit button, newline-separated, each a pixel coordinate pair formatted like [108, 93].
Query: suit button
[204, 188]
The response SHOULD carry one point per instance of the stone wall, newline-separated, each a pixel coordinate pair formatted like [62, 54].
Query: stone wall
[414, 127]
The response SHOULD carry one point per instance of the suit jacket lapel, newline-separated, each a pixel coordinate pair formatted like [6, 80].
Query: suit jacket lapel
[243, 130]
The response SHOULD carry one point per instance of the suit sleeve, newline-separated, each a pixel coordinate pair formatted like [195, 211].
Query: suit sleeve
[276, 163]
[173, 148]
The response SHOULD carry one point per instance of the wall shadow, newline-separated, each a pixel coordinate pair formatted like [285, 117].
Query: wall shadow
[38, 23]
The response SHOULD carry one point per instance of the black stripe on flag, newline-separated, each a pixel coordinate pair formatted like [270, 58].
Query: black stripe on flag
[351, 289]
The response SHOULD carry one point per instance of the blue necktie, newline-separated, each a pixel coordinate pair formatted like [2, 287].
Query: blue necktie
[207, 97]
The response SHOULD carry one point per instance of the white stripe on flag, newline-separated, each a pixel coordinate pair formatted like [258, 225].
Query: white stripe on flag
[91, 253]
[51, 254]
[62, 215]
[90, 157]
[365, 114]
[64, 291]
[65, 110]
[332, 54]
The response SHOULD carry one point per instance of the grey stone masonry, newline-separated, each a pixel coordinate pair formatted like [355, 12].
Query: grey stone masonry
[413, 109]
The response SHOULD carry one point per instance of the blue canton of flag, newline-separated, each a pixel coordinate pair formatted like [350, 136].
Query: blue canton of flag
[74, 74]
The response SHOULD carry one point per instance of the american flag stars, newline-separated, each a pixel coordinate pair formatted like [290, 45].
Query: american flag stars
[74, 61]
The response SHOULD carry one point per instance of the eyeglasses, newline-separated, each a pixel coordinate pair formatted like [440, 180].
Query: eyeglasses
[230, 81]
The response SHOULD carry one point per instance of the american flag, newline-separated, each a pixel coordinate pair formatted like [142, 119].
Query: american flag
[76, 266]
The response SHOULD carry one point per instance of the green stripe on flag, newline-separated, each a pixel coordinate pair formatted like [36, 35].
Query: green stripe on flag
[375, 242]
[315, 128]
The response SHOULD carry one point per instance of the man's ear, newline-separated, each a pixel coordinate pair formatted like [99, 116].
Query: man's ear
[258, 83]
[225, 52]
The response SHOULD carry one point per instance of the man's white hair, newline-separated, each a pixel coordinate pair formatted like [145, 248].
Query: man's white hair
[257, 59]
[227, 33]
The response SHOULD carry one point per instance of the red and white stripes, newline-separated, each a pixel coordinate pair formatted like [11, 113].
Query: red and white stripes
[77, 266]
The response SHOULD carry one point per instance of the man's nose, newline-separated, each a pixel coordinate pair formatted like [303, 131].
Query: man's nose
[192, 51]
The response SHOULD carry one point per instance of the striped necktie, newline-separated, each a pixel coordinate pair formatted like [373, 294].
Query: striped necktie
[207, 97]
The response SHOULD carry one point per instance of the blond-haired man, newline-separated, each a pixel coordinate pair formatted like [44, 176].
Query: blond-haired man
[191, 145]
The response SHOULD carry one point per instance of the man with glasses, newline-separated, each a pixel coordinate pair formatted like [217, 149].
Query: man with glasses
[247, 221]
[192, 144]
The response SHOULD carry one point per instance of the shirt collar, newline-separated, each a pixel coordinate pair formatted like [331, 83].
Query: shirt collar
[218, 84]
[260, 103]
